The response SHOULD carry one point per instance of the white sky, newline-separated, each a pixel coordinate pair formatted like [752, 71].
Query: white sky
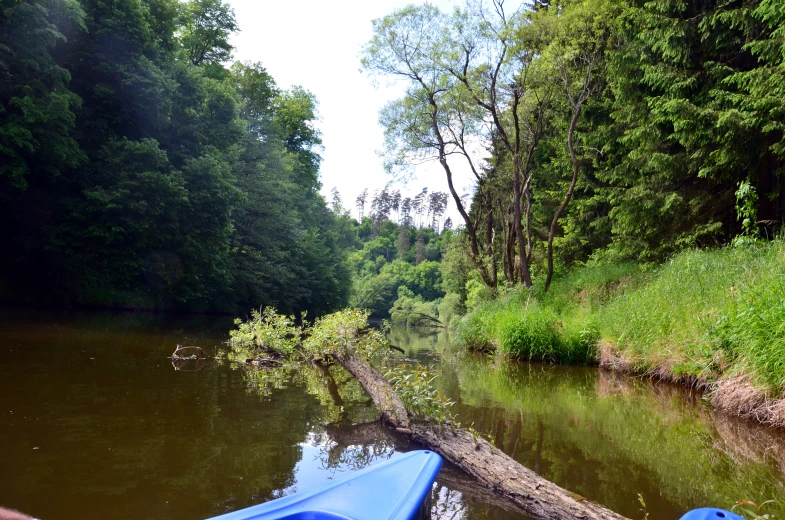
[316, 44]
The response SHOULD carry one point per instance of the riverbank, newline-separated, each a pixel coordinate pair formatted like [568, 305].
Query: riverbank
[711, 319]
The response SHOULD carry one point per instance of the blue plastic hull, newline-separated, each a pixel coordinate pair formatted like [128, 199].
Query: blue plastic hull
[392, 490]
[708, 513]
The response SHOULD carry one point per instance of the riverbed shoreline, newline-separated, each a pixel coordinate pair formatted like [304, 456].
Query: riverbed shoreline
[735, 396]
[709, 319]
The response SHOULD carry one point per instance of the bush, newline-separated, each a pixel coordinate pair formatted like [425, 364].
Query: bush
[477, 293]
[413, 311]
[532, 334]
[475, 331]
[451, 309]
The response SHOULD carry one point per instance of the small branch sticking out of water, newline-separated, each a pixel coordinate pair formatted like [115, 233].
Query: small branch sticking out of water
[182, 352]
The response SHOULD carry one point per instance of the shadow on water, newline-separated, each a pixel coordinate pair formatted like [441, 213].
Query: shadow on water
[95, 422]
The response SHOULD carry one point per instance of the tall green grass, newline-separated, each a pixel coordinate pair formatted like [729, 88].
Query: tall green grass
[704, 314]
[555, 327]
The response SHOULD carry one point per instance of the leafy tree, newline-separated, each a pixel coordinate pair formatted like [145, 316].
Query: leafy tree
[295, 112]
[36, 106]
[135, 209]
[575, 52]
[178, 182]
[206, 28]
[428, 122]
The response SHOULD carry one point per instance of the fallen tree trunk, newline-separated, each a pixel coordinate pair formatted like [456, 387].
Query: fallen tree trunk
[384, 397]
[524, 489]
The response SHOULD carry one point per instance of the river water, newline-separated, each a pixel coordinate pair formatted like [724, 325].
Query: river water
[96, 422]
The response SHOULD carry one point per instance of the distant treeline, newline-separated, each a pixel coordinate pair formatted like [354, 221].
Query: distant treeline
[138, 168]
[396, 251]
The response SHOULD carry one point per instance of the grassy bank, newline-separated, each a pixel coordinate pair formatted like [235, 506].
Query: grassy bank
[715, 318]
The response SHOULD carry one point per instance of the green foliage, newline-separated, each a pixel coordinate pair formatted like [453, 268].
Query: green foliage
[345, 332]
[747, 210]
[264, 332]
[706, 315]
[416, 388]
[589, 287]
[476, 331]
[138, 171]
[560, 326]
[206, 28]
[680, 108]
[477, 293]
[270, 332]
[341, 331]
[451, 309]
[36, 106]
[753, 330]
[532, 335]
[380, 271]
[520, 328]
[411, 310]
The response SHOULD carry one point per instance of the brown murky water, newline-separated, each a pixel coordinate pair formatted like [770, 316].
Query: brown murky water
[96, 422]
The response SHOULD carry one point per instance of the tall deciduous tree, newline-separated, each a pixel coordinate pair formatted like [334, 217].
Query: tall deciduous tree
[429, 121]
[206, 27]
[36, 106]
[580, 34]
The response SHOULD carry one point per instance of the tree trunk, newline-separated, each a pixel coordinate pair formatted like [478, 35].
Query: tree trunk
[522, 265]
[576, 168]
[450, 476]
[489, 240]
[523, 489]
[471, 230]
[528, 199]
[387, 401]
[509, 249]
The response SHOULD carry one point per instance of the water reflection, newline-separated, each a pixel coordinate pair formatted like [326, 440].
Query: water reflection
[94, 418]
[608, 436]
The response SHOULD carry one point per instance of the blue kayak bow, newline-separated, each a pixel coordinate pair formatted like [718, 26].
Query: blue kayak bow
[393, 490]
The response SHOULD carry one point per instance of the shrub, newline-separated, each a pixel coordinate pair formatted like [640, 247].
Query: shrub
[475, 331]
[532, 334]
[451, 309]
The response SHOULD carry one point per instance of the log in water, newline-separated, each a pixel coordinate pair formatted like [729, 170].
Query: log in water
[527, 491]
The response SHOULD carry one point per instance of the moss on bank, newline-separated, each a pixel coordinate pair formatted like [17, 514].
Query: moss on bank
[706, 317]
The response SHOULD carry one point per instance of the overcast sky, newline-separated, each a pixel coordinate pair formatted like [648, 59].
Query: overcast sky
[316, 44]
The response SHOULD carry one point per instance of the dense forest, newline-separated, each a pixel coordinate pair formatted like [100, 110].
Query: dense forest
[140, 168]
[627, 160]
[143, 168]
[595, 129]
[403, 251]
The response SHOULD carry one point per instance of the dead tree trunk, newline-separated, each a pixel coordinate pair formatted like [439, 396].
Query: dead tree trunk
[522, 488]
[384, 397]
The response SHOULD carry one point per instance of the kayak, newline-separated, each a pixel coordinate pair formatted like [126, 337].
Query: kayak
[398, 489]
[393, 490]
[708, 513]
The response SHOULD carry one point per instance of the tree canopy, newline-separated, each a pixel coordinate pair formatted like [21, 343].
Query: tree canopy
[594, 129]
[140, 168]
